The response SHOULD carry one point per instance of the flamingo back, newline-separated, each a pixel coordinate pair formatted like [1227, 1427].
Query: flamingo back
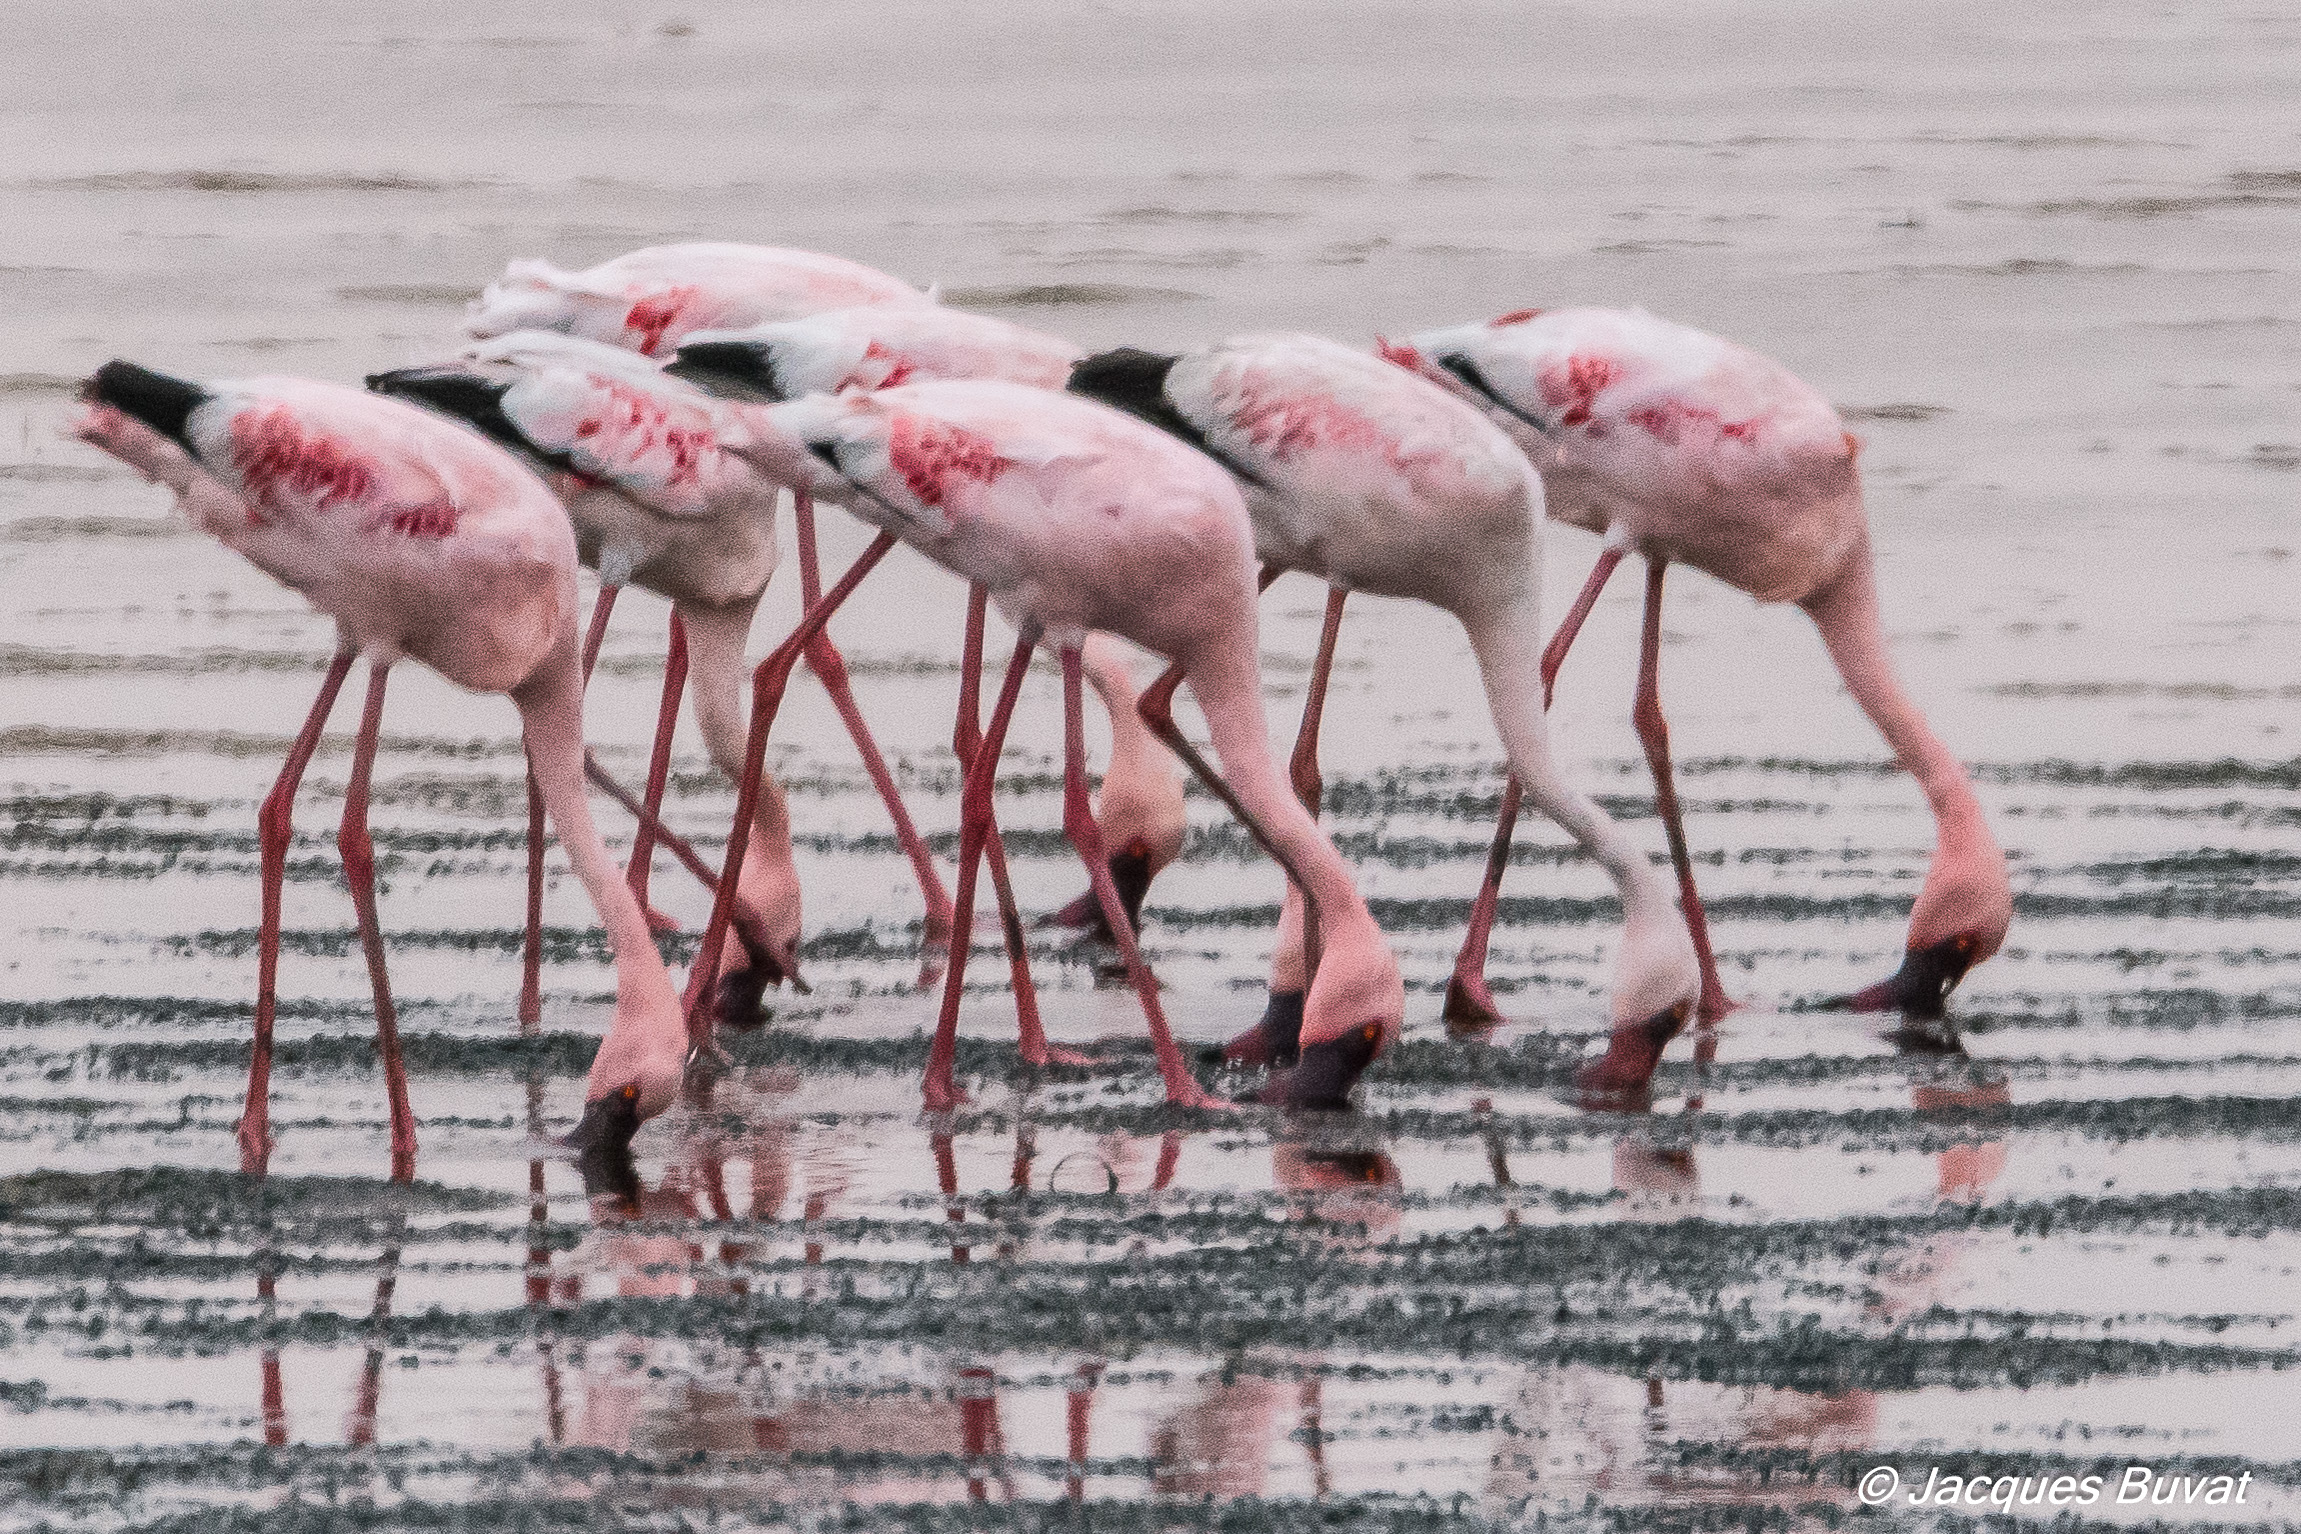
[1702, 450]
[418, 536]
[879, 347]
[1075, 516]
[648, 299]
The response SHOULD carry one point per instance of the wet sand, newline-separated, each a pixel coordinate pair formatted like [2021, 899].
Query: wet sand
[2043, 259]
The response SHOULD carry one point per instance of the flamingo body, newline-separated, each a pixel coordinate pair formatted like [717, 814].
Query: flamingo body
[1687, 447]
[1707, 453]
[648, 299]
[641, 462]
[414, 536]
[639, 459]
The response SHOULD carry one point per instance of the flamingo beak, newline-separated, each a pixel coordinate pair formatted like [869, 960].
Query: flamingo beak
[1920, 988]
[1327, 1071]
[742, 999]
[1274, 1041]
[1131, 874]
[601, 1141]
[1624, 1076]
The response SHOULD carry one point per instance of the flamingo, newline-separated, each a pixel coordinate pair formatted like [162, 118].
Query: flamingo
[1075, 518]
[642, 460]
[884, 346]
[656, 500]
[1377, 481]
[647, 300]
[1684, 447]
[420, 539]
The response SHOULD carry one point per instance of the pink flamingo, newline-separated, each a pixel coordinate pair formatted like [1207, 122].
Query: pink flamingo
[1681, 446]
[884, 346]
[879, 347]
[420, 539]
[1074, 518]
[656, 498]
[647, 300]
[1378, 481]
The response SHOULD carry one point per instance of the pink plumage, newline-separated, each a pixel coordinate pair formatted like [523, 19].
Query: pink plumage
[420, 539]
[648, 300]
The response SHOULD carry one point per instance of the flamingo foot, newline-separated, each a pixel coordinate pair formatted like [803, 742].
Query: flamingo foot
[658, 922]
[1716, 1007]
[942, 1096]
[1470, 1007]
[1624, 1076]
[1275, 1041]
[1326, 1071]
[1056, 1054]
[1189, 1094]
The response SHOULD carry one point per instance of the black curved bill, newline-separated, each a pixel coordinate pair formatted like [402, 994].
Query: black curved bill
[1920, 988]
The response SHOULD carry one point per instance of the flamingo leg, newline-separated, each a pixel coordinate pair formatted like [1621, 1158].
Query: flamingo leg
[360, 1425]
[358, 850]
[1182, 1088]
[830, 668]
[1654, 733]
[597, 632]
[1303, 767]
[1554, 653]
[966, 736]
[1470, 1003]
[274, 828]
[974, 828]
[659, 774]
[275, 1403]
[1078, 1411]
[947, 1179]
[531, 948]
[768, 684]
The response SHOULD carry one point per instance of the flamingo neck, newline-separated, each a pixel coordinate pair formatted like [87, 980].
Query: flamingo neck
[1657, 966]
[1141, 798]
[1967, 858]
[716, 678]
[551, 710]
[1229, 695]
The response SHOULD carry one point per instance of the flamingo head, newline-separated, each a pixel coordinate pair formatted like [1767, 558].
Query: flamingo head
[1354, 1010]
[1960, 920]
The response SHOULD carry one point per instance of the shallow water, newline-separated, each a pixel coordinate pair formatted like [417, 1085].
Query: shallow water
[2041, 255]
